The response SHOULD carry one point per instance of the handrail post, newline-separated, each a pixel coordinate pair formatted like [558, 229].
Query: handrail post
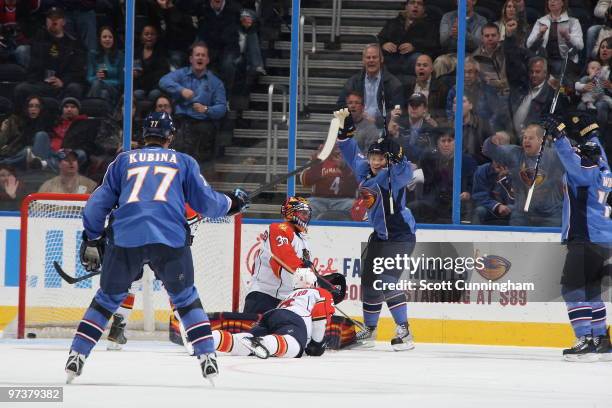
[272, 128]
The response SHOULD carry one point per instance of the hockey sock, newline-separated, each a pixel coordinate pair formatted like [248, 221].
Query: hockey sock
[398, 308]
[226, 342]
[598, 319]
[94, 321]
[281, 345]
[125, 309]
[371, 312]
[580, 317]
[195, 320]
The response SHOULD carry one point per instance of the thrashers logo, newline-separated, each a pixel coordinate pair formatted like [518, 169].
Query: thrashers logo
[495, 267]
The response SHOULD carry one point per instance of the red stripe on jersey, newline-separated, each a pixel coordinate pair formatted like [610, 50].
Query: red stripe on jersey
[282, 346]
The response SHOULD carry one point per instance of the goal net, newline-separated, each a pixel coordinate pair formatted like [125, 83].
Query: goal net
[51, 228]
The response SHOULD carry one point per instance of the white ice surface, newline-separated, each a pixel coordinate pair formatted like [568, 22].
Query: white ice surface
[157, 374]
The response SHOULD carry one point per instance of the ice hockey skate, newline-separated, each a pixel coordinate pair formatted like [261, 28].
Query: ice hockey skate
[603, 350]
[403, 339]
[116, 336]
[210, 368]
[254, 344]
[583, 351]
[74, 366]
[366, 338]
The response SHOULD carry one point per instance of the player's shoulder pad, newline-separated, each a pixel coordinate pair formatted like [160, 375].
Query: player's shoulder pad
[282, 228]
[326, 294]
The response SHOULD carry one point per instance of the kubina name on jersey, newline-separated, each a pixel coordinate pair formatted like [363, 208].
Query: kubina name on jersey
[152, 157]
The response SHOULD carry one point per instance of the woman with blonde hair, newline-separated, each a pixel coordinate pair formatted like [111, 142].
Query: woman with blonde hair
[512, 15]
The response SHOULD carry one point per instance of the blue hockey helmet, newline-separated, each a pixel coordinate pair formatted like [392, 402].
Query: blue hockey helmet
[158, 124]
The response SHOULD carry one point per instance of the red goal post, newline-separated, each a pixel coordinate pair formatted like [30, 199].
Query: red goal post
[51, 227]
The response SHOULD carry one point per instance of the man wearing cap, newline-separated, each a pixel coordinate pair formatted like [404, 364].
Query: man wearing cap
[57, 64]
[414, 129]
[69, 180]
[70, 113]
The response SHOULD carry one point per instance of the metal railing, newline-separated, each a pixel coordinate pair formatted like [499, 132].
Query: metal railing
[272, 136]
[304, 74]
[335, 23]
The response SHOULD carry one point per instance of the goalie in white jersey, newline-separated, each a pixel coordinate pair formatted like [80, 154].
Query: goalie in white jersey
[296, 326]
[284, 249]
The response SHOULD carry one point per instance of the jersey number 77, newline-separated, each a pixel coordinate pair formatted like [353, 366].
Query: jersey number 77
[141, 172]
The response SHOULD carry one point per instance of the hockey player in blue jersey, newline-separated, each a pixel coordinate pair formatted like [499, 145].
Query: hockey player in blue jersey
[587, 232]
[144, 194]
[393, 223]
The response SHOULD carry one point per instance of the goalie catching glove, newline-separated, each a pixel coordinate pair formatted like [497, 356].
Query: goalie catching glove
[91, 253]
[240, 201]
[347, 126]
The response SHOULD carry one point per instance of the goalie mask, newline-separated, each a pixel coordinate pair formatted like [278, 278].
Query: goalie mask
[297, 211]
[158, 124]
[304, 278]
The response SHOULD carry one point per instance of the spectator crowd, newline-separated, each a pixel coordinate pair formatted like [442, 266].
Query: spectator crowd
[62, 84]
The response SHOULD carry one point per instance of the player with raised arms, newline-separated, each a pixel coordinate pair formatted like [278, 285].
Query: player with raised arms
[144, 194]
[296, 326]
[587, 232]
[382, 177]
[283, 250]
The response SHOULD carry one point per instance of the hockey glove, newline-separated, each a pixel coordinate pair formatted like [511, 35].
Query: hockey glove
[553, 126]
[347, 126]
[91, 253]
[316, 349]
[392, 150]
[240, 201]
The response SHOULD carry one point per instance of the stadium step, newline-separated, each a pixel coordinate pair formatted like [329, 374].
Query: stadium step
[344, 30]
[252, 168]
[279, 188]
[314, 81]
[261, 152]
[352, 13]
[354, 48]
[318, 63]
[314, 98]
[282, 134]
[315, 118]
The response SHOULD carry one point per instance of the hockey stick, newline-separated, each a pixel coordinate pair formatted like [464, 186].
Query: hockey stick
[332, 134]
[541, 152]
[71, 280]
[332, 287]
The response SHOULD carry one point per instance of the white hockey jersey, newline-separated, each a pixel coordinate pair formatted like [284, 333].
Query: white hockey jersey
[315, 306]
[281, 254]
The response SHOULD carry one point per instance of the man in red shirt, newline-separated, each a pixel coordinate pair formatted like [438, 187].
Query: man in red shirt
[333, 188]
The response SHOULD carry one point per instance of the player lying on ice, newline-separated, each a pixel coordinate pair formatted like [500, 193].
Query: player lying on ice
[144, 195]
[296, 326]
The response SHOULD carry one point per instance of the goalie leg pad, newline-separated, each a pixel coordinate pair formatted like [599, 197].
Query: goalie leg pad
[195, 320]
